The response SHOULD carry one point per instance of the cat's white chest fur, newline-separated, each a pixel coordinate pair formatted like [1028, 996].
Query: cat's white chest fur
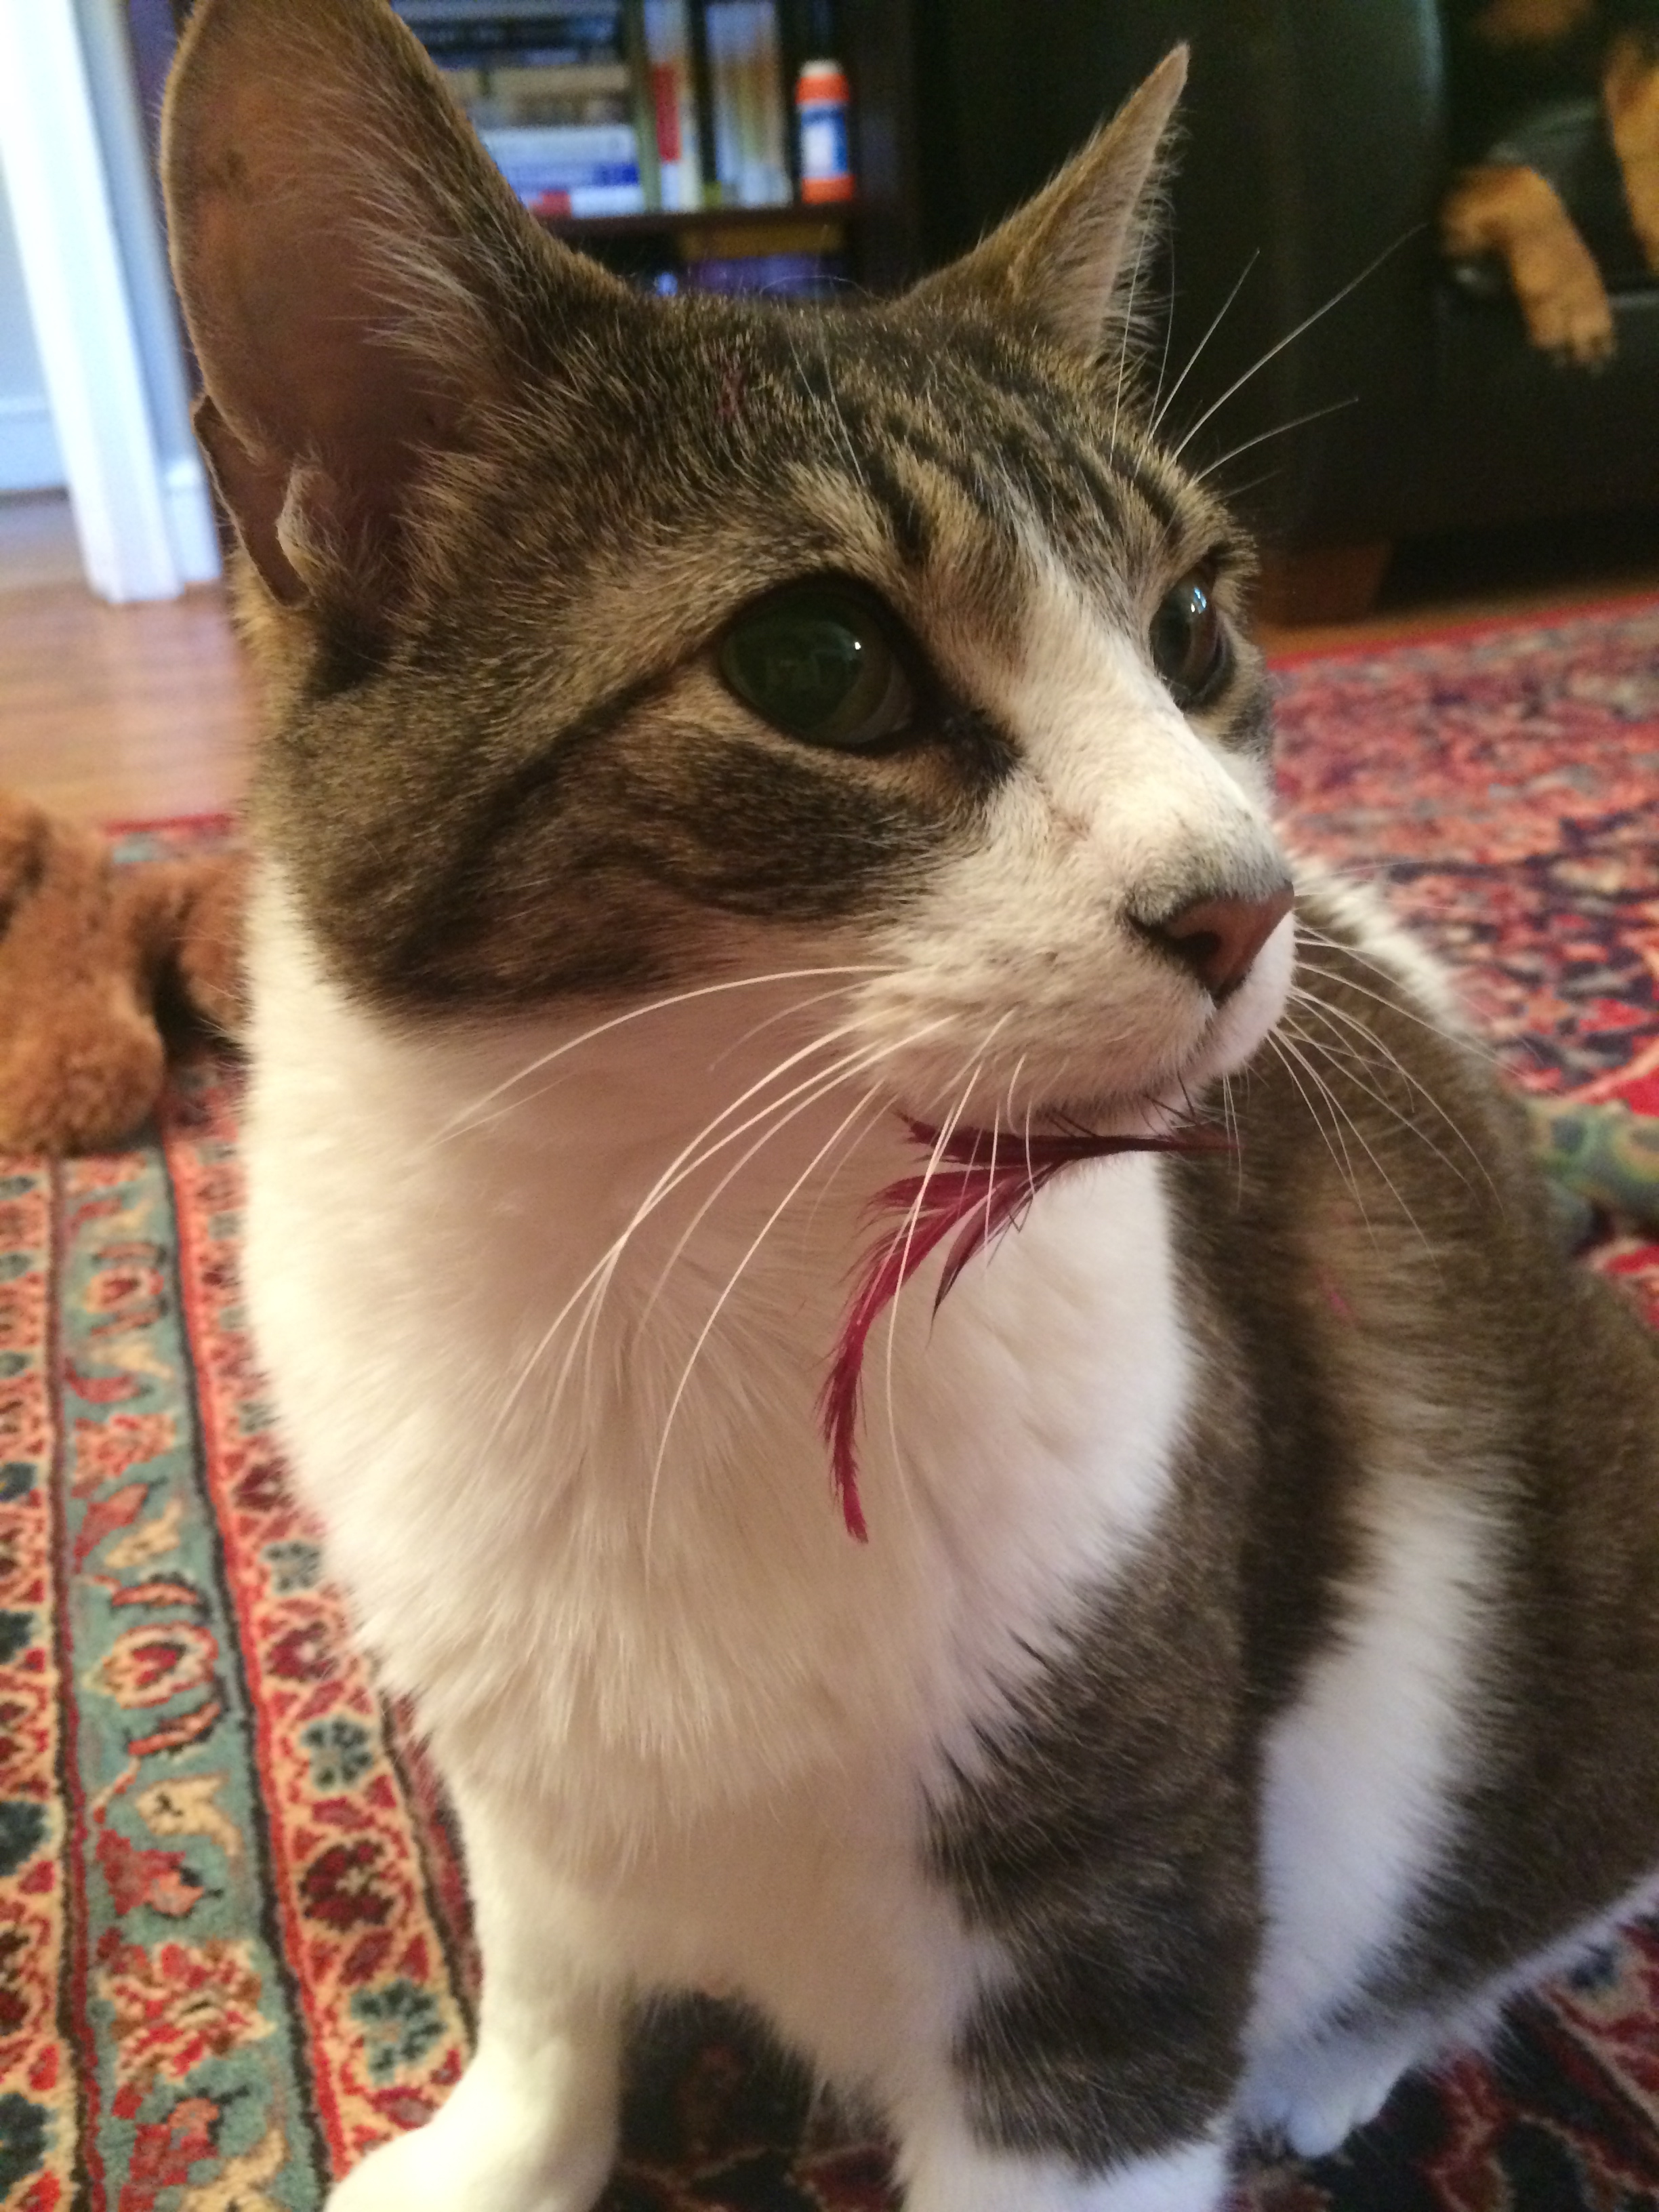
[717, 1718]
[640, 1633]
[716, 1723]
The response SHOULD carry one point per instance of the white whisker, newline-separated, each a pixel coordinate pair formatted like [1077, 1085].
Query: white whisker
[463, 1117]
[914, 1220]
[990, 1180]
[1366, 1147]
[1280, 430]
[855, 1063]
[1230, 1124]
[770, 1118]
[1329, 1016]
[1168, 332]
[1128, 325]
[783, 1014]
[719, 1306]
[1194, 357]
[1291, 337]
[1343, 1164]
[691, 1157]
[1395, 1005]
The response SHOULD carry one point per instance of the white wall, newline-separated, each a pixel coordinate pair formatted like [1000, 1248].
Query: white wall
[135, 206]
[89, 239]
[29, 460]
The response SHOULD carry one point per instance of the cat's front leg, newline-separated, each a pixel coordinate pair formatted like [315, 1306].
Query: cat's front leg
[532, 2126]
[947, 2171]
[1108, 2087]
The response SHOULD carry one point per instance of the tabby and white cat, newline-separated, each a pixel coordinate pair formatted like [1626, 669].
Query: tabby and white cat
[706, 744]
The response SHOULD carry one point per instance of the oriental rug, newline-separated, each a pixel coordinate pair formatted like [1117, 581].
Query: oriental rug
[234, 1941]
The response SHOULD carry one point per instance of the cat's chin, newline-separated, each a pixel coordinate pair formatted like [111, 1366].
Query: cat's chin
[1174, 1046]
[1112, 1119]
[1146, 1119]
[1163, 1107]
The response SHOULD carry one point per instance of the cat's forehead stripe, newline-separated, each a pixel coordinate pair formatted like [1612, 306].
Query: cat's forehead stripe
[979, 409]
[904, 504]
[976, 487]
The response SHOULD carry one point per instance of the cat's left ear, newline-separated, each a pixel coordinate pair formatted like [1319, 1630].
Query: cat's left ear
[1066, 261]
[359, 283]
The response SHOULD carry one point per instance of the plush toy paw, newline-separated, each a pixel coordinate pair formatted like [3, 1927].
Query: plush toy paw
[1564, 302]
[485, 2151]
[84, 946]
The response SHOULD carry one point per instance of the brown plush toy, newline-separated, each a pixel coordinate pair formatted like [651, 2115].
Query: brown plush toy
[86, 949]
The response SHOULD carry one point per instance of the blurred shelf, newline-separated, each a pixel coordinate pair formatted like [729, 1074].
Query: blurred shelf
[696, 222]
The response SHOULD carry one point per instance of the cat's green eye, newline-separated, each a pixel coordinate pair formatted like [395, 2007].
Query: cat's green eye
[1188, 642]
[816, 663]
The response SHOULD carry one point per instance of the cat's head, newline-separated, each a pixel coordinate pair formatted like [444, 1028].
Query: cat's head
[618, 644]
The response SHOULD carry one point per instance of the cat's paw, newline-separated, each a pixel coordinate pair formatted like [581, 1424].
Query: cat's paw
[1317, 2102]
[1509, 210]
[960, 2178]
[457, 2168]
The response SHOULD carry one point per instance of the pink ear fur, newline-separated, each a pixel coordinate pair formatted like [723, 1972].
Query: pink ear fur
[351, 264]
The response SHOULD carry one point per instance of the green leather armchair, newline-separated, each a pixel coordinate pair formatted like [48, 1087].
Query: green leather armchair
[1316, 137]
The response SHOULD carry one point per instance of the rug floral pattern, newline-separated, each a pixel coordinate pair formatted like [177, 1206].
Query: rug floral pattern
[234, 1945]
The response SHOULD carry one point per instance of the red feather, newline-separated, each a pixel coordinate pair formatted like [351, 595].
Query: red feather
[971, 1182]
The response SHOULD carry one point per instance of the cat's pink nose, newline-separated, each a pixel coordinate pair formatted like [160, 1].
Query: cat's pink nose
[1218, 938]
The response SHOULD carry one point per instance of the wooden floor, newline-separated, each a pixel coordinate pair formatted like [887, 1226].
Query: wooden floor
[114, 713]
[1400, 620]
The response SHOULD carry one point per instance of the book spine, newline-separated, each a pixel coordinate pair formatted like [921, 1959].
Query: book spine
[723, 96]
[465, 39]
[645, 121]
[673, 104]
[571, 171]
[512, 71]
[745, 64]
[768, 179]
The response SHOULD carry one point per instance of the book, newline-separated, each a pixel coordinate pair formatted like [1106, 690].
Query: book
[673, 104]
[537, 94]
[642, 109]
[746, 68]
[570, 169]
[549, 87]
[576, 19]
[518, 67]
[457, 34]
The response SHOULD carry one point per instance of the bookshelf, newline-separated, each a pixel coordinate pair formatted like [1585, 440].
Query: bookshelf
[702, 222]
[873, 240]
[869, 241]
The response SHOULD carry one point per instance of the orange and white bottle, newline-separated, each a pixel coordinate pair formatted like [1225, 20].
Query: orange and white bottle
[821, 113]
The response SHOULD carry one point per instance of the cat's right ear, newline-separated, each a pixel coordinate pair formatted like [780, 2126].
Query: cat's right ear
[1068, 261]
[357, 278]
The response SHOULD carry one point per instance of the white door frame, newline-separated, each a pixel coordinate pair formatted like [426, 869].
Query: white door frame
[145, 525]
